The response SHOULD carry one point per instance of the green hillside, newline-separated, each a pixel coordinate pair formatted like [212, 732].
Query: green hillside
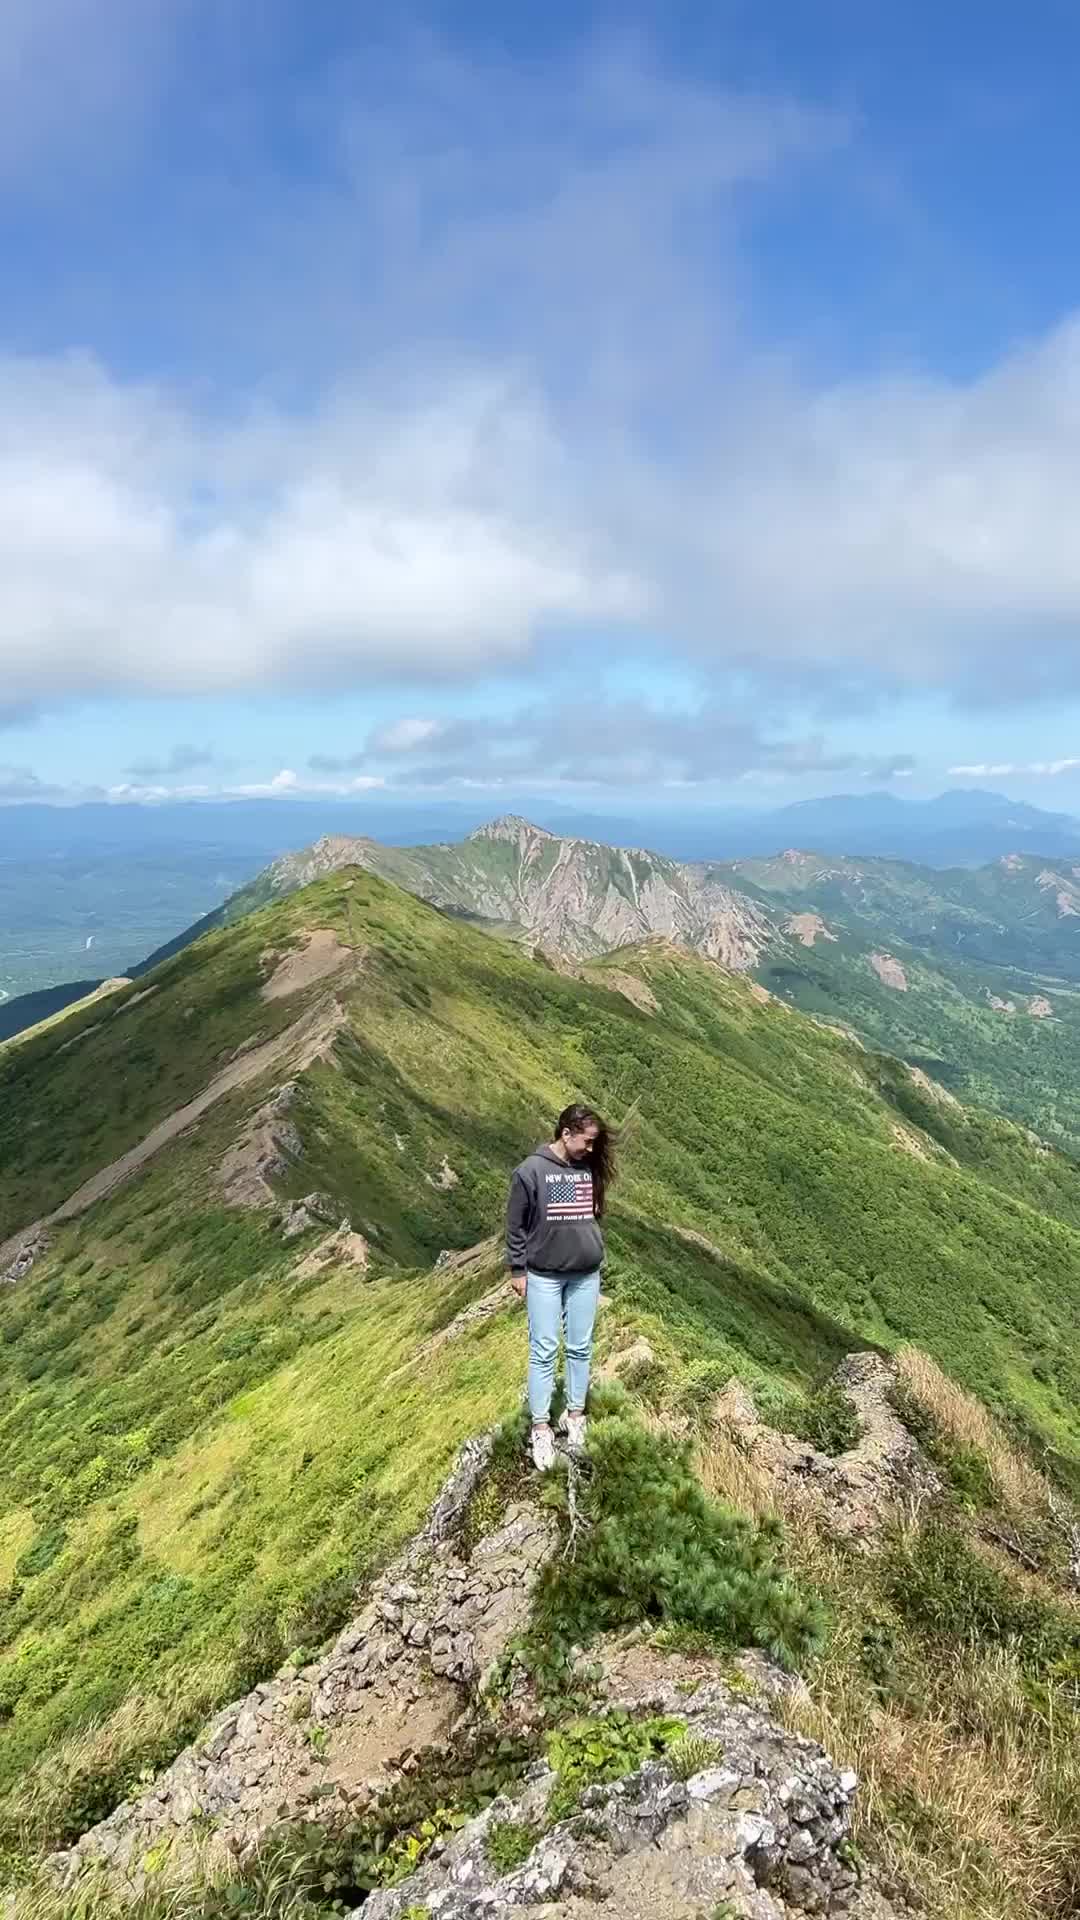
[204, 1440]
[1021, 912]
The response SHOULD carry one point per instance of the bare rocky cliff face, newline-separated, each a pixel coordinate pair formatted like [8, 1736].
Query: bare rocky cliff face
[577, 896]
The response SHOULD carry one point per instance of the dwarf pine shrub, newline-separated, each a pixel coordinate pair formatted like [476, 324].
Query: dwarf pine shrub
[649, 1544]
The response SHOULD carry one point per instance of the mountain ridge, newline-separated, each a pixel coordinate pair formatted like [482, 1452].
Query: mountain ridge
[224, 1405]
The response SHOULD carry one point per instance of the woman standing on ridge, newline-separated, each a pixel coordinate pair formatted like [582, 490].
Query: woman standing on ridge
[555, 1249]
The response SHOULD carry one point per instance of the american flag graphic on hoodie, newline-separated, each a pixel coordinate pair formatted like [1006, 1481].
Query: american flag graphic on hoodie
[569, 1196]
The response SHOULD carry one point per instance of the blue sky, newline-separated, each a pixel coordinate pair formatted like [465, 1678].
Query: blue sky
[638, 404]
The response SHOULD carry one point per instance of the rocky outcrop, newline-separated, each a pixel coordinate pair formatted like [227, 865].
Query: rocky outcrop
[889, 971]
[740, 1816]
[299, 1216]
[344, 1248]
[395, 1680]
[266, 1151]
[1066, 893]
[853, 1494]
[757, 1829]
[17, 1257]
[572, 897]
[808, 927]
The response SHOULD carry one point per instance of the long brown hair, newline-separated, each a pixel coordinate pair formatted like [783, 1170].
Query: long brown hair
[602, 1157]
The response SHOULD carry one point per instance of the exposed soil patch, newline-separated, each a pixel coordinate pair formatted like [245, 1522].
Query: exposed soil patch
[629, 986]
[268, 1147]
[909, 1142]
[77, 1038]
[1040, 1008]
[321, 955]
[1065, 896]
[135, 998]
[934, 1088]
[808, 927]
[341, 1249]
[889, 971]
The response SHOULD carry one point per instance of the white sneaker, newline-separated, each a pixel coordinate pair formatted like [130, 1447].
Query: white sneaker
[575, 1427]
[543, 1449]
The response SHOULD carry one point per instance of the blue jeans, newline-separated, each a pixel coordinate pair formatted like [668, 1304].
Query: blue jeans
[554, 1301]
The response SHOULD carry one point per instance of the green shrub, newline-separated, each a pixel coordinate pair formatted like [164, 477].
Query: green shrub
[965, 1470]
[694, 1753]
[939, 1584]
[651, 1545]
[508, 1843]
[589, 1753]
[827, 1420]
[41, 1553]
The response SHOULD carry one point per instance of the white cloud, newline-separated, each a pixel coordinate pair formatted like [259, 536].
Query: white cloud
[600, 456]
[998, 769]
[921, 531]
[143, 549]
[288, 782]
[283, 785]
[404, 736]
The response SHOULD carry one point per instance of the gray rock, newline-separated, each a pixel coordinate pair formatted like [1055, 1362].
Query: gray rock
[765, 1823]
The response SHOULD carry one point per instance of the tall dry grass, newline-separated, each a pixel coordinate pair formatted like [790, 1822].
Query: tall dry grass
[1022, 1489]
[972, 1798]
[89, 1772]
[728, 1473]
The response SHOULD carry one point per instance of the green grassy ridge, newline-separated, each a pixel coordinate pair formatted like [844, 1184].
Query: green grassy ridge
[196, 1445]
[960, 936]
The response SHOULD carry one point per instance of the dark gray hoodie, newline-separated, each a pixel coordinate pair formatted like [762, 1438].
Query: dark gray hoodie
[551, 1224]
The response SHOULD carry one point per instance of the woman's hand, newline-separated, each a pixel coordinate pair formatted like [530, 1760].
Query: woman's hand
[519, 1282]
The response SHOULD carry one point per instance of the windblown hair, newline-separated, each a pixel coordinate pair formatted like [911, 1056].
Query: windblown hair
[602, 1157]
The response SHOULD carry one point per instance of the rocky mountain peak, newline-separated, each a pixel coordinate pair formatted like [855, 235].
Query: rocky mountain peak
[511, 826]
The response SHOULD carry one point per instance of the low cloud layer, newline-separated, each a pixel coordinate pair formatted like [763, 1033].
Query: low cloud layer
[594, 742]
[182, 759]
[1007, 769]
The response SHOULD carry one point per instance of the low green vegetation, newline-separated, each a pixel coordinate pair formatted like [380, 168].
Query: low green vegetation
[949, 1683]
[206, 1444]
[509, 1843]
[693, 1753]
[593, 1752]
[645, 1543]
[826, 1418]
